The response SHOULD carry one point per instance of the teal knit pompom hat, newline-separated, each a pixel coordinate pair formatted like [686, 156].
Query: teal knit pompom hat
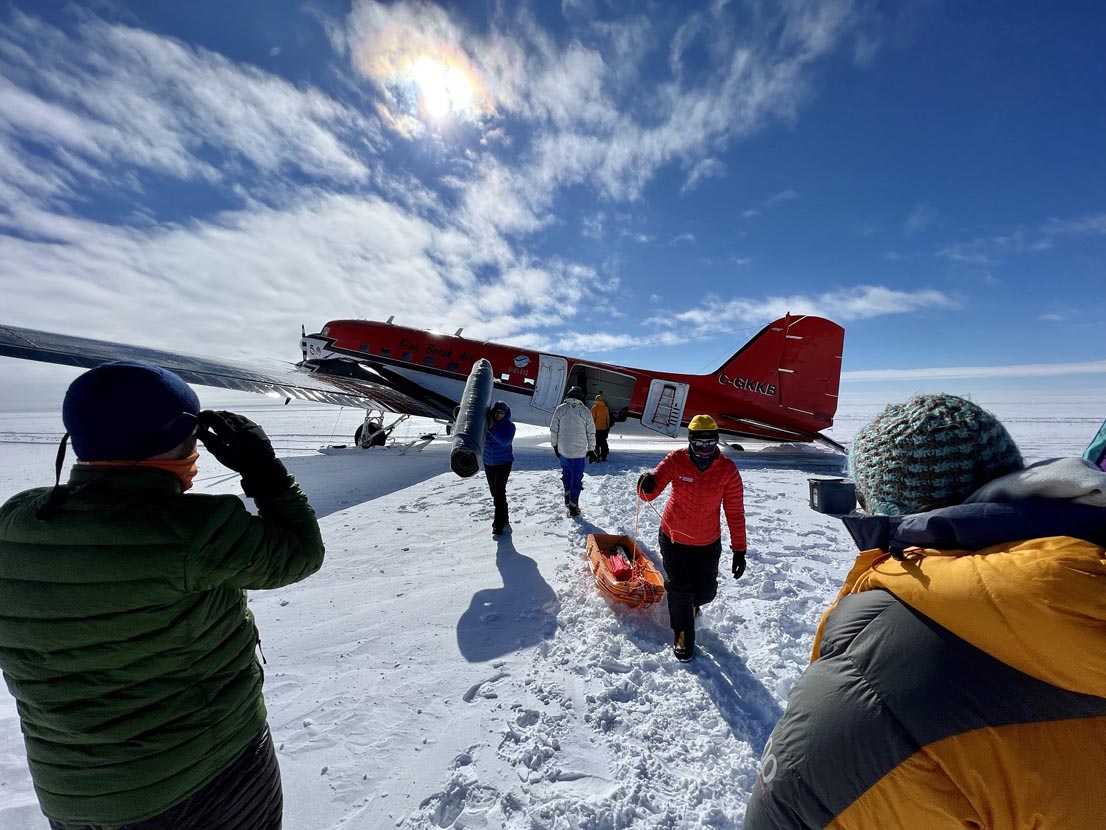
[932, 451]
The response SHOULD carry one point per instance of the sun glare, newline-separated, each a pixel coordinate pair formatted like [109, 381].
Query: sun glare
[443, 89]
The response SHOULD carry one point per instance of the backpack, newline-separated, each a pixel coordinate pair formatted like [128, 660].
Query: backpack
[1096, 452]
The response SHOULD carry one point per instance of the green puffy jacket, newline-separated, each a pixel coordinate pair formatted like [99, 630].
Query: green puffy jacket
[125, 637]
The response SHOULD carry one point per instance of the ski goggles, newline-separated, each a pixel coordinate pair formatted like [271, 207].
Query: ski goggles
[702, 446]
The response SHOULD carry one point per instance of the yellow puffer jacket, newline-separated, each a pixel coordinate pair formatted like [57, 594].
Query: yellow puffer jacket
[953, 689]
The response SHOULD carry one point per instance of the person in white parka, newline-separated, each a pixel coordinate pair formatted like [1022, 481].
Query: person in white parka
[572, 433]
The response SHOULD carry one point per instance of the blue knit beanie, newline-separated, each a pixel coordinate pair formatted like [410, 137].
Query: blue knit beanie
[932, 451]
[128, 411]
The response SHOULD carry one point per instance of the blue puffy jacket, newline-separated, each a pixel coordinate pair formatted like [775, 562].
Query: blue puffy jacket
[497, 440]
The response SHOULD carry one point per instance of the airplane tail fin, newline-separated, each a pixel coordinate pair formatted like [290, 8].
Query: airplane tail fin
[797, 361]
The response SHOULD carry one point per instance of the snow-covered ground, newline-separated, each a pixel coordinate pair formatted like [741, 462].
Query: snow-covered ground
[431, 676]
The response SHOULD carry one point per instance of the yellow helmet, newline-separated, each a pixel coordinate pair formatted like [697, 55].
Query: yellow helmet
[702, 422]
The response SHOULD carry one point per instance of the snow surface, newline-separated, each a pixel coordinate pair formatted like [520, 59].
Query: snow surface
[430, 676]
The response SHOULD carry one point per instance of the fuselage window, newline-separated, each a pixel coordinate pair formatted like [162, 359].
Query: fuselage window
[365, 348]
[428, 361]
[408, 355]
[528, 381]
[385, 351]
[454, 367]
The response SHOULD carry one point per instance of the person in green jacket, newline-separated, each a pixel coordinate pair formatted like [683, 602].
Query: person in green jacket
[124, 633]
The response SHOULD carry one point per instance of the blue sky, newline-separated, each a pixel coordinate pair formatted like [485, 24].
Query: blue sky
[644, 183]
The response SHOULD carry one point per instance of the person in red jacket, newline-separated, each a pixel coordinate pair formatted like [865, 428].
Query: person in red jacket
[702, 480]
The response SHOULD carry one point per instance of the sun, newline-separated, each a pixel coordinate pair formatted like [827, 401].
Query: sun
[443, 89]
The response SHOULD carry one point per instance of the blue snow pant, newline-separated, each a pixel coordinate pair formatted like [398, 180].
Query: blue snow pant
[572, 477]
[691, 578]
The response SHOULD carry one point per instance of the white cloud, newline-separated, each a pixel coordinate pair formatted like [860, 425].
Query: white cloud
[566, 104]
[1094, 224]
[194, 288]
[323, 227]
[708, 168]
[111, 97]
[771, 202]
[921, 217]
[859, 303]
[989, 250]
[581, 343]
[782, 196]
[593, 225]
[1028, 370]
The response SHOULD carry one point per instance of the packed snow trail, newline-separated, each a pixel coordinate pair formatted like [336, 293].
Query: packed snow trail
[555, 708]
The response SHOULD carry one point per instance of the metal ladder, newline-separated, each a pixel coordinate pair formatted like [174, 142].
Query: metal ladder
[665, 411]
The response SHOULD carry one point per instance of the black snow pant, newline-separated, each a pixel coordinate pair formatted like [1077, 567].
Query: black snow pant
[244, 796]
[691, 578]
[497, 482]
[601, 448]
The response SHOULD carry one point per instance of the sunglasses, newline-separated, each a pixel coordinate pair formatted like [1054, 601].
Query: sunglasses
[150, 445]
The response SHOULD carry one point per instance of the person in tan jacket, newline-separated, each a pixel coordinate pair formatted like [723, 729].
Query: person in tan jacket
[602, 417]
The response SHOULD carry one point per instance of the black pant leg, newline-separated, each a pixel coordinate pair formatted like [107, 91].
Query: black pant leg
[706, 572]
[246, 795]
[497, 475]
[601, 448]
[679, 583]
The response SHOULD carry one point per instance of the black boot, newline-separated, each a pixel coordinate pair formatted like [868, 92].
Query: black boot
[683, 646]
[573, 508]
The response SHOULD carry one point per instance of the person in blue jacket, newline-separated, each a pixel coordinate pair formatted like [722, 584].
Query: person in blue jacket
[498, 457]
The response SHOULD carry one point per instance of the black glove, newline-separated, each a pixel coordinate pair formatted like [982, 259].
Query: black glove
[647, 483]
[240, 444]
[556, 452]
[592, 457]
[738, 566]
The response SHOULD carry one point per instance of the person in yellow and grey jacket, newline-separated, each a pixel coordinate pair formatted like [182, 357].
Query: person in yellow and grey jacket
[959, 680]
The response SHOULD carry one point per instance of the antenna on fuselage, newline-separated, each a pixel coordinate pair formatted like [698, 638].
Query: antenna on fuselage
[458, 332]
[389, 320]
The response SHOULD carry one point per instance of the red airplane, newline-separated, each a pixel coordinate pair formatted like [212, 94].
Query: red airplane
[780, 386]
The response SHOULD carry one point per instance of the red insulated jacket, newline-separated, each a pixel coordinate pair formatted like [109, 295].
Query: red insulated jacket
[691, 515]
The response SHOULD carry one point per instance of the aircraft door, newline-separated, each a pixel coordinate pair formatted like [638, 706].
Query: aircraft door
[550, 385]
[664, 406]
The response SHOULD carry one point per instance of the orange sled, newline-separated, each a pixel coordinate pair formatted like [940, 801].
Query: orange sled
[643, 585]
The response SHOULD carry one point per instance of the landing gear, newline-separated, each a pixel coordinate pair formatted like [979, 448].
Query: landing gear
[370, 434]
[373, 433]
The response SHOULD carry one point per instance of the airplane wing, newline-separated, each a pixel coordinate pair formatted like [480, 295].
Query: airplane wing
[357, 385]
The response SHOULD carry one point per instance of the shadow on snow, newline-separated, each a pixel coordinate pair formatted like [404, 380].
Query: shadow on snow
[520, 614]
